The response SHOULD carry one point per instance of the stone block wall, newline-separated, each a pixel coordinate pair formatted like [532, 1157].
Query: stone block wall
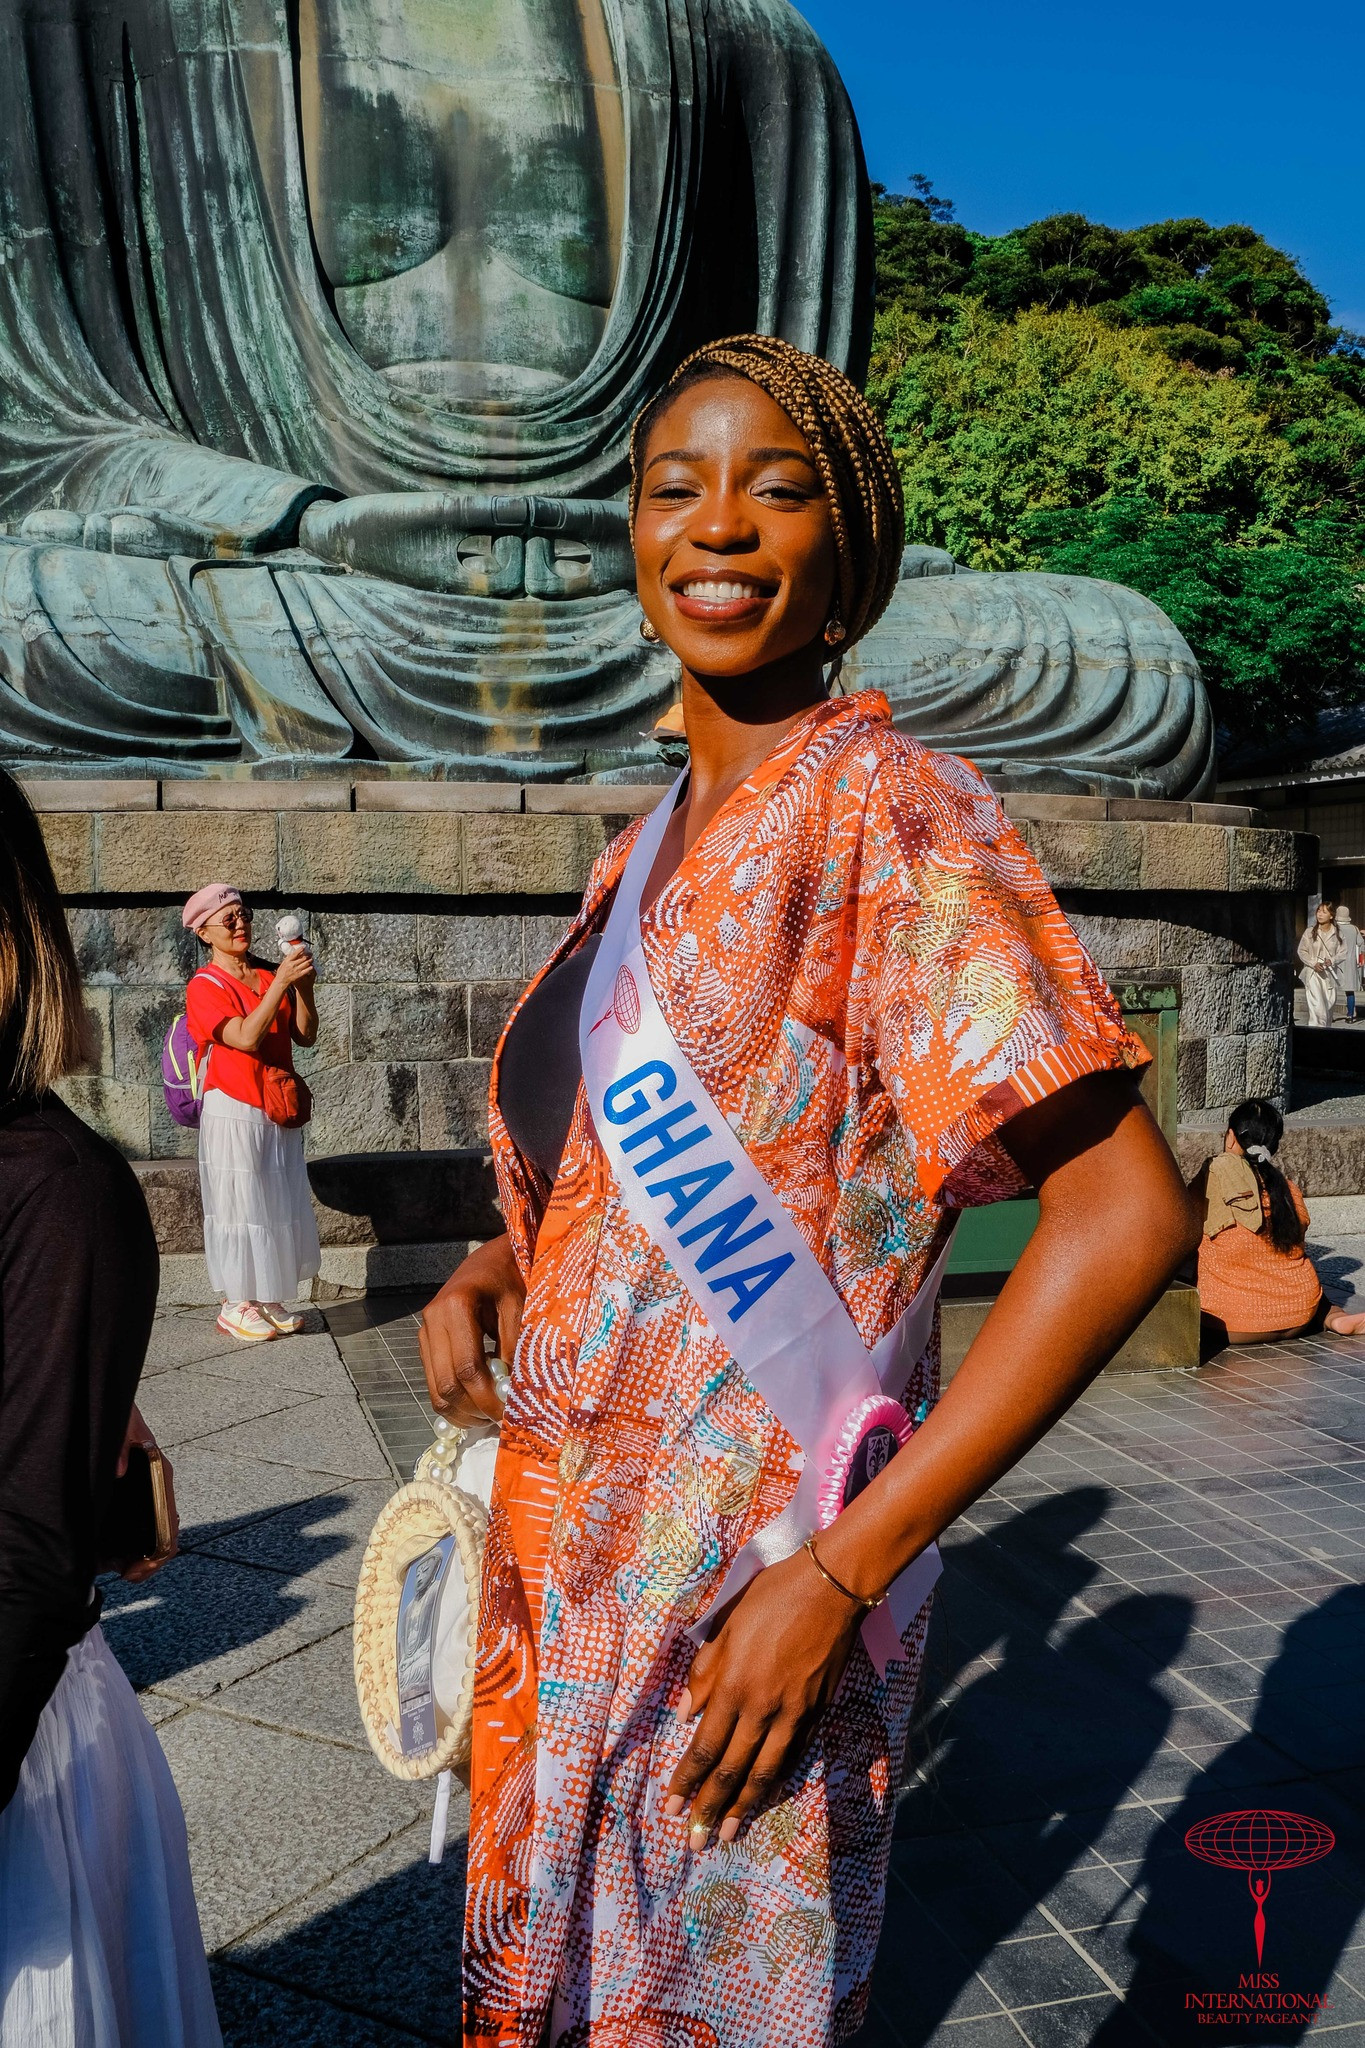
[410, 1004]
[1197, 897]
[430, 905]
[427, 917]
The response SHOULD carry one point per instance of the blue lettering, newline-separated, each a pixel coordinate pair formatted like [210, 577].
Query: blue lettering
[625, 1111]
[685, 1190]
[725, 1227]
[751, 1285]
[661, 1132]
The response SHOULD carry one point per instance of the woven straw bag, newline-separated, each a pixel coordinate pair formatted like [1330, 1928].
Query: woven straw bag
[419, 1515]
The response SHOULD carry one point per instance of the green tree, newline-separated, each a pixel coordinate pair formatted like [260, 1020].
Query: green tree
[1279, 630]
[993, 419]
[1219, 295]
[923, 256]
[1168, 406]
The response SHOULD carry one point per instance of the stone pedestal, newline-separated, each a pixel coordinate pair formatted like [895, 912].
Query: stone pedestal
[1193, 897]
[429, 905]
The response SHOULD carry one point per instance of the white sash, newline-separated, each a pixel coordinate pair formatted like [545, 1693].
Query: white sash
[685, 1178]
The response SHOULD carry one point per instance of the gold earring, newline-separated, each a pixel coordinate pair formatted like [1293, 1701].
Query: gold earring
[834, 631]
[648, 631]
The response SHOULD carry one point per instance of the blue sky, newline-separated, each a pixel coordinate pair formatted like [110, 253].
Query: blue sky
[1237, 113]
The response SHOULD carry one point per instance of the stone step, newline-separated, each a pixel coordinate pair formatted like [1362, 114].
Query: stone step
[361, 1199]
[1166, 1340]
[1325, 1159]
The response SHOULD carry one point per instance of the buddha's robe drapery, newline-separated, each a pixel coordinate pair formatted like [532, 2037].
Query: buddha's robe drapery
[177, 390]
[167, 343]
[1060, 684]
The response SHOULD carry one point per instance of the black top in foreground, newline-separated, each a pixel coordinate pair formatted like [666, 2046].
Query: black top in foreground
[78, 1284]
[541, 1064]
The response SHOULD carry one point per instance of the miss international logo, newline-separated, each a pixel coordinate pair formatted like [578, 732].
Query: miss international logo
[1260, 1841]
[626, 1001]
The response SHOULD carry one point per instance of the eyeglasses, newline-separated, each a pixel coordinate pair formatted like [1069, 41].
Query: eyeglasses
[238, 920]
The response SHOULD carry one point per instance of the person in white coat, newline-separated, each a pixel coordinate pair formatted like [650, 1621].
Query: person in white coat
[1348, 967]
[1320, 950]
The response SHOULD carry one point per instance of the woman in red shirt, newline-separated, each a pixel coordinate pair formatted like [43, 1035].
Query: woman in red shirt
[260, 1234]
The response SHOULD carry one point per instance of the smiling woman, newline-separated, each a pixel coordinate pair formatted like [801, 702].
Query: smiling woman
[822, 1000]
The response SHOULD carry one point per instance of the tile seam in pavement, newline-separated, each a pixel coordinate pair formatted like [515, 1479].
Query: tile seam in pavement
[213, 1705]
[250, 1516]
[1185, 1486]
[224, 1953]
[1116, 1990]
[183, 1443]
[287, 1465]
[182, 1707]
[373, 1421]
[250, 1564]
[271, 1664]
[1237, 1600]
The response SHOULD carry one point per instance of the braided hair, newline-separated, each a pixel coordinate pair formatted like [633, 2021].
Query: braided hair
[1258, 1128]
[849, 448]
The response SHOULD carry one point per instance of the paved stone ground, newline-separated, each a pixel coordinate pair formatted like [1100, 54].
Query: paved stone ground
[326, 1925]
[1157, 1618]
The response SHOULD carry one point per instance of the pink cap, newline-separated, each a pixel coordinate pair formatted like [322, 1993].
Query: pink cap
[207, 902]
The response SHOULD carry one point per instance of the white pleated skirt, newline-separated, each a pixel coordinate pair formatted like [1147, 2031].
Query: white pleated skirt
[260, 1234]
[99, 1936]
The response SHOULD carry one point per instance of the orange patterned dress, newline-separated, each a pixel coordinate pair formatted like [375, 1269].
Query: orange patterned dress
[869, 975]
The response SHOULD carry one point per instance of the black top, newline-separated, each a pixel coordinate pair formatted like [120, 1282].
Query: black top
[540, 1069]
[78, 1281]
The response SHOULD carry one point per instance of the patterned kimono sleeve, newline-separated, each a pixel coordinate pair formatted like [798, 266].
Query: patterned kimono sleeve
[979, 997]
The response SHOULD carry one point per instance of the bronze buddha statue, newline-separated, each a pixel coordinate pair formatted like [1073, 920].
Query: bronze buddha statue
[322, 327]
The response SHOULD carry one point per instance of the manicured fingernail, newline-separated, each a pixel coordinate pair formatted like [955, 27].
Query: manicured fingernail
[729, 1827]
[698, 1835]
[685, 1705]
[674, 1805]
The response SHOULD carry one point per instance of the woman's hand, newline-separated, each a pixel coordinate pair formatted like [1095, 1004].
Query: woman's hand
[139, 1436]
[483, 1297]
[303, 982]
[760, 1686]
[296, 969]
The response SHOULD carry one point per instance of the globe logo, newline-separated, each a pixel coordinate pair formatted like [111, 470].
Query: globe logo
[1260, 1841]
[626, 1001]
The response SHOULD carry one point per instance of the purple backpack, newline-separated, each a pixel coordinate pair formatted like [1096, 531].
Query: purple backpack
[183, 1074]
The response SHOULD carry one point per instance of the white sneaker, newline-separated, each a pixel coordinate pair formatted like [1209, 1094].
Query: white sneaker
[243, 1319]
[280, 1319]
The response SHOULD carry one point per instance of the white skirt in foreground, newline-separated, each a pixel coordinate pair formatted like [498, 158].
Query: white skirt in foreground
[260, 1234]
[99, 1936]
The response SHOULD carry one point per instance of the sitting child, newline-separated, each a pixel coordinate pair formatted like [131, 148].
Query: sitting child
[1256, 1281]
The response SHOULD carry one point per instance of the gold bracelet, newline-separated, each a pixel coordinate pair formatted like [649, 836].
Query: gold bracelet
[856, 1598]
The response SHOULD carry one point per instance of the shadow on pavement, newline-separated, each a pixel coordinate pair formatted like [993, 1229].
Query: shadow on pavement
[205, 1605]
[372, 1970]
[1032, 1760]
[1304, 1754]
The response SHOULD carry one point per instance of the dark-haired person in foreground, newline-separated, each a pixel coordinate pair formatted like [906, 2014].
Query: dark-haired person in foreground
[816, 1003]
[1256, 1281]
[99, 1937]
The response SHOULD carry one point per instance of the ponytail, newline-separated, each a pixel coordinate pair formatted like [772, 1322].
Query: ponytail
[1258, 1128]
